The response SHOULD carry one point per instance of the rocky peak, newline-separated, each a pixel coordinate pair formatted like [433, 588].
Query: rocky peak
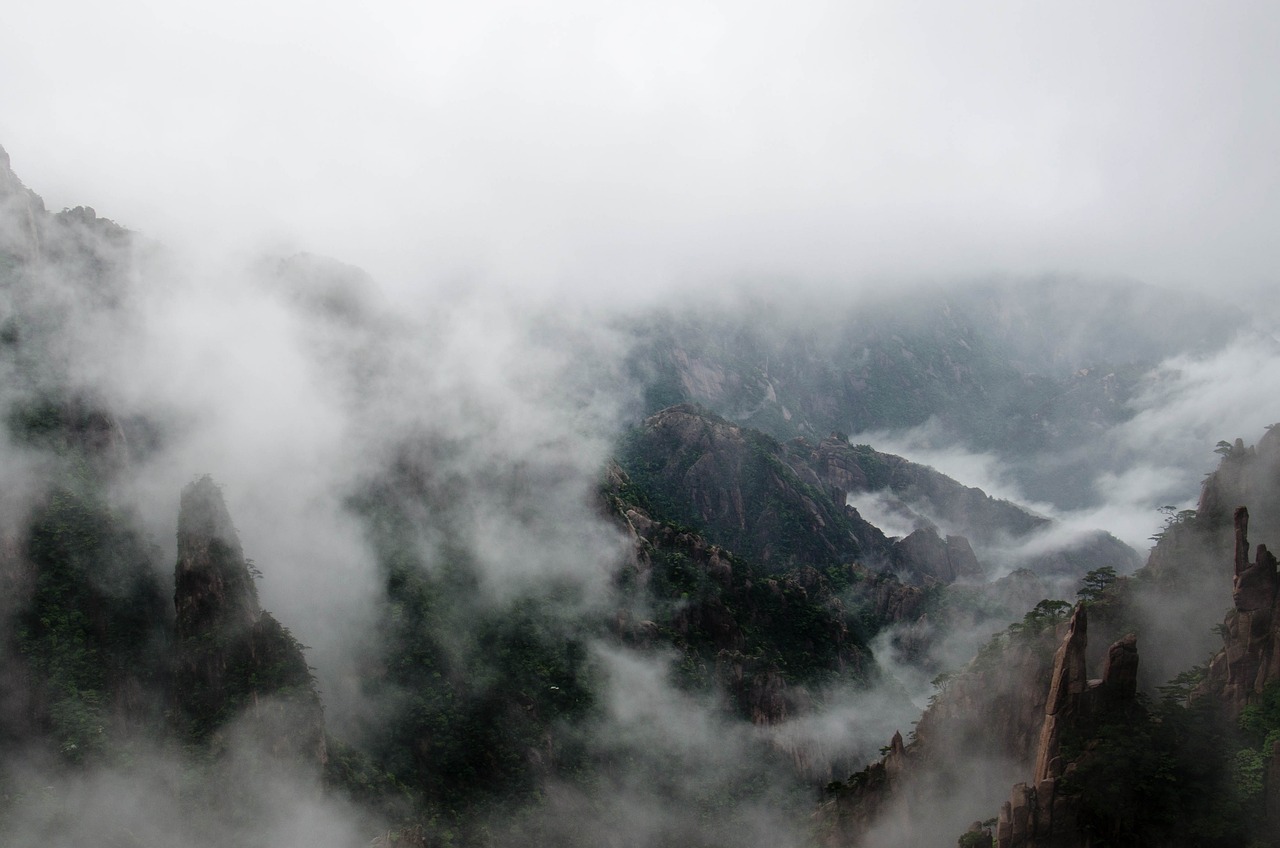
[927, 558]
[742, 489]
[21, 212]
[1068, 683]
[9, 182]
[911, 783]
[1254, 584]
[895, 760]
[1208, 548]
[1044, 813]
[214, 590]
[96, 253]
[235, 661]
[1250, 658]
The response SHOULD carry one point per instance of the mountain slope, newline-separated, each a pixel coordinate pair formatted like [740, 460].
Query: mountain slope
[1033, 372]
[1193, 767]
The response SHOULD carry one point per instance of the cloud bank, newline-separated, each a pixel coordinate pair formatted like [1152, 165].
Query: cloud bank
[609, 150]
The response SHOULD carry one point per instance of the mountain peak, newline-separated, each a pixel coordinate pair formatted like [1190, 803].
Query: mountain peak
[232, 656]
[214, 589]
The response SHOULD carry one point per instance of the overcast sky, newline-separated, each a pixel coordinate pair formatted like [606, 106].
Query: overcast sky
[632, 145]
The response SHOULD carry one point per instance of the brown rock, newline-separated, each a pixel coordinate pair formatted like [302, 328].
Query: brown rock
[1066, 685]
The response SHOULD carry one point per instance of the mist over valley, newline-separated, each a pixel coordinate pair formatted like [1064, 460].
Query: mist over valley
[680, 426]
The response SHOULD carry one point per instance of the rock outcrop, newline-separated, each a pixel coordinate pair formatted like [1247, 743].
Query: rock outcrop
[51, 257]
[736, 487]
[927, 558]
[898, 800]
[236, 664]
[1250, 658]
[928, 501]
[1043, 814]
[1011, 711]
[21, 215]
[934, 496]
[1189, 565]
[1068, 684]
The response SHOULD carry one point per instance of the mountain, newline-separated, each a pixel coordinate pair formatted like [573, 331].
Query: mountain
[546, 612]
[783, 504]
[1099, 758]
[233, 658]
[1035, 372]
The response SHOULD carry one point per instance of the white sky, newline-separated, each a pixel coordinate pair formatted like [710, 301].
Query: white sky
[631, 146]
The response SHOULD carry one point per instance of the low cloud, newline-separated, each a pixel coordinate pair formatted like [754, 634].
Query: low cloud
[1157, 457]
[607, 150]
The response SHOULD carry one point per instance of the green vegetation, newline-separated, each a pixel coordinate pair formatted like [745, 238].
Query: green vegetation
[1176, 772]
[1095, 585]
[1164, 772]
[473, 688]
[793, 623]
[1043, 616]
[975, 839]
[96, 615]
[1174, 519]
[1031, 630]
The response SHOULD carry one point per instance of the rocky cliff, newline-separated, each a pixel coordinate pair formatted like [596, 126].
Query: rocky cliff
[927, 495]
[736, 486]
[1200, 766]
[1045, 813]
[979, 732]
[1019, 369]
[788, 504]
[934, 505]
[235, 661]
[1249, 660]
[51, 259]
[1190, 577]
[22, 216]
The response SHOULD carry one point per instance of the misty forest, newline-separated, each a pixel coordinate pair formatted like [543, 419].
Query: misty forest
[434, 444]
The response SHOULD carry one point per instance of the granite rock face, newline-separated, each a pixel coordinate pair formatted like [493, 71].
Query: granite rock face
[990, 713]
[928, 558]
[1044, 812]
[21, 215]
[1250, 658]
[738, 487]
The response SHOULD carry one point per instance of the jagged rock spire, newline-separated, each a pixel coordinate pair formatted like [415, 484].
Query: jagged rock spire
[1242, 540]
[213, 589]
[1043, 814]
[233, 658]
[1068, 682]
[1250, 658]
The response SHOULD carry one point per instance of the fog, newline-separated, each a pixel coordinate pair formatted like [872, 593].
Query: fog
[511, 183]
[1157, 456]
[606, 150]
